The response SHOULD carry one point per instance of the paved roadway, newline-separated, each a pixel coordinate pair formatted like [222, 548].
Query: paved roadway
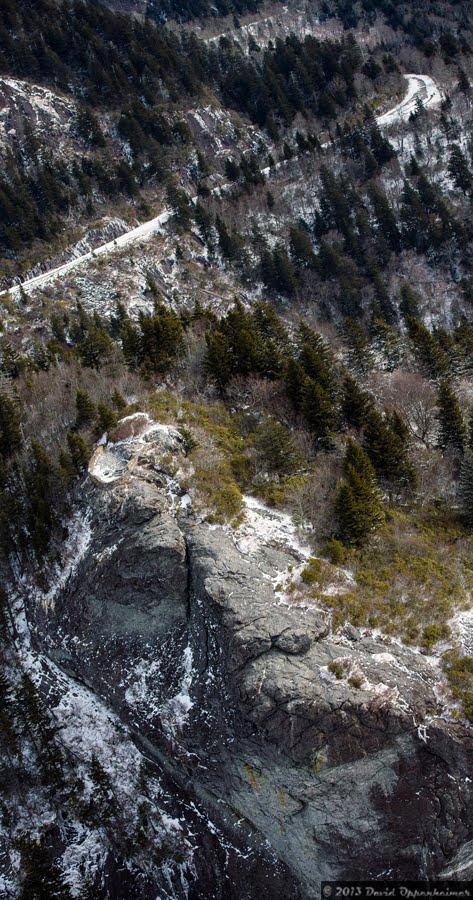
[422, 86]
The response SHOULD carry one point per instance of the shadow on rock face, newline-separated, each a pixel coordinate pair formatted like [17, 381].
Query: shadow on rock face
[325, 746]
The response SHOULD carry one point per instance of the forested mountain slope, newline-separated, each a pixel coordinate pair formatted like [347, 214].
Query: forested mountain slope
[144, 81]
[236, 448]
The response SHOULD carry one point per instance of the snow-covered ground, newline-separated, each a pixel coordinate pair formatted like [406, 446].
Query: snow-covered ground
[419, 86]
[263, 526]
[47, 113]
[142, 232]
[462, 627]
[115, 453]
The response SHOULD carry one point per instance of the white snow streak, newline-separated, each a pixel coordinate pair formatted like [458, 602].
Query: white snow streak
[263, 526]
[422, 86]
[174, 712]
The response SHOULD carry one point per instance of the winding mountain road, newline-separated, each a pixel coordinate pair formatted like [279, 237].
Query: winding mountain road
[418, 86]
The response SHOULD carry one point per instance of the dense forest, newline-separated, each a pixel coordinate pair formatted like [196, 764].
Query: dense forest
[304, 320]
[143, 74]
[337, 258]
[340, 257]
[184, 10]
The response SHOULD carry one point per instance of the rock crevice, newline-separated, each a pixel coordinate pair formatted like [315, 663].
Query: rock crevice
[185, 637]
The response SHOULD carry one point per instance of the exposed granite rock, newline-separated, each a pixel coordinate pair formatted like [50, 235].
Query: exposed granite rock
[460, 868]
[293, 641]
[343, 770]
[351, 632]
[128, 599]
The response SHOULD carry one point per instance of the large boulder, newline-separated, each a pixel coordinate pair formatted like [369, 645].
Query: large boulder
[332, 749]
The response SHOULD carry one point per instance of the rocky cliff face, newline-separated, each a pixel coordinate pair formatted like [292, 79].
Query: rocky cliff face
[319, 755]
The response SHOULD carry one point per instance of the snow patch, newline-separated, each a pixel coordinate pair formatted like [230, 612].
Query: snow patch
[462, 627]
[174, 712]
[263, 526]
[116, 457]
[419, 87]
[75, 548]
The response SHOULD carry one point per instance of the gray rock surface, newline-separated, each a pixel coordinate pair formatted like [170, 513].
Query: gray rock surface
[335, 771]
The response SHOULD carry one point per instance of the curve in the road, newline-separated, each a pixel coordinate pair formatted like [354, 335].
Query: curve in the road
[422, 86]
[419, 87]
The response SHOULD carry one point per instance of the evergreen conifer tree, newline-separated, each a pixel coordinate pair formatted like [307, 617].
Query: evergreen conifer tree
[387, 451]
[301, 248]
[131, 344]
[106, 418]
[42, 879]
[360, 355]
[275, 443]
[459, 170]
[294, 382]
[78, 450]
[409, 305]
[204, 224]
[96, 348]
[66, 465]
[315, 357]
[11, 362]
[398, 425]
[284, 279]
[180, 205]
[430, 354]
[358, 502]
[219, 361]
[86, 409]
[465, 490]
[463, 82]
[232, 169]
[452, 431]
[318, 410]
[43, 484]
[356, 403]
[10, 427]
[118, 401]
[385, 216]
[230, 244]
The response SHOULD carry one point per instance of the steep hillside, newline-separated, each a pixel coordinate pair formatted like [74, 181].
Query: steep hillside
[147, 83]
[236, 448]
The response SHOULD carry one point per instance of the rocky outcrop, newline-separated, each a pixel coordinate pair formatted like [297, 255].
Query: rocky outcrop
[330, 768]
[329, 749]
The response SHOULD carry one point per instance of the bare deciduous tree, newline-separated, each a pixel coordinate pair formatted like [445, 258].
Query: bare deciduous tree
[436, 474]
[414, 397]
[313, 502]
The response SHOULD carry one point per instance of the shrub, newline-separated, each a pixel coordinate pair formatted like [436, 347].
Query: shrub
[432, 634]
[336, 668]
[407, 582]
[335, 551]
[228, 501]
[318, 573]
[459, 671]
